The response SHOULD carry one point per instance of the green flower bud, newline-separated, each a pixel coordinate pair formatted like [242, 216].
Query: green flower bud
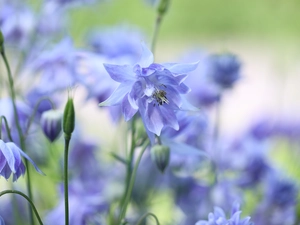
[163, 7]
[160, 154]
[69, 119]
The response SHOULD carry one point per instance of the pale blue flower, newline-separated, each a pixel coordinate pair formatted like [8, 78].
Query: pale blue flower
[153, 90]
[11, 161]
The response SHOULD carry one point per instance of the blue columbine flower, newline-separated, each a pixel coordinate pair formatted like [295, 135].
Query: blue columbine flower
[155, 90]
[11, 161]
[219, 217]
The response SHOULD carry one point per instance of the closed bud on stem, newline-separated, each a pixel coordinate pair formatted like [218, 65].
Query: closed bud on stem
[163, 7]
[160, 154]
[69, 119]
[1, 42]
[51, 124]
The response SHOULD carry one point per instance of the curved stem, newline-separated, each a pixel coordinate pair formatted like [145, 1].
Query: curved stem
[16, 118]
[7, 128]
[34, 113]
[145, 216]
[27, 198]
[131, 183]
[66, 188]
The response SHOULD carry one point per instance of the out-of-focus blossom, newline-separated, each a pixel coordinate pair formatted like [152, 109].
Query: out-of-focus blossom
[51, 121]
[17, 23]
[56, 67]
[278, 206]
[23, 111]
[154, 90]
[119, 41]
[86, 206]
[1, 221]
[219, 217]
[224, 69]
[66, 3]
[11, 161]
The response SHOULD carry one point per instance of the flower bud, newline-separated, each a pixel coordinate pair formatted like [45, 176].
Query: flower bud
[51, 124]
[160, 154]
[69, 119]
[163, 7]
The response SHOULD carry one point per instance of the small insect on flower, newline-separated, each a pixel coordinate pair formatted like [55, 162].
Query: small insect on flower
[160, 97]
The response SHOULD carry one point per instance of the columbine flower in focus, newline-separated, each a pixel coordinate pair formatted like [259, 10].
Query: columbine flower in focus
[11, 161]
[219, 217]
[155, 90]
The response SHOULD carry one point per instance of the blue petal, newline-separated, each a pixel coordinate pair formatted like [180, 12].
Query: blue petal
[9, 156]
[151, 117]
[169, 117]
[182, 148]
[15, 150]
[31, 161]
[2, 161]
[186, 105]
[127, 109]
[21, 171]
[181, 68]
[146, 58]
[6, 171]
[120, 73]
[117, 96]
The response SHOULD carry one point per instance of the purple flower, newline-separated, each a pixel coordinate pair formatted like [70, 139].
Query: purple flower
[224, 69]
[218, 217]
[155, 90]
[11, 161]
[1, 221]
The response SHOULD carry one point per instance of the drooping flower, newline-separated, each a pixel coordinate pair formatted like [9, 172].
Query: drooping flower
[154, 90]
[11, 160]
[219, 217]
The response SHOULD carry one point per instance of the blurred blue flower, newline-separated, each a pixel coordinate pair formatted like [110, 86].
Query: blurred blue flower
[224, 69]
[86, 206]
[118, 41]
[17, 23]
[1, 221]
[11, 161]
[51, 124]
[56, 67]
[218, 217]
[152, 89]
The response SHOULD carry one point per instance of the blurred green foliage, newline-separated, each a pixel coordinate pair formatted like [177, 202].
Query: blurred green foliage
[257, 19]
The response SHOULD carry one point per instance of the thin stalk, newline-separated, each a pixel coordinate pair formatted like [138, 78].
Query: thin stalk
[27, 198]
[66, 186]
[21, 137]
[131, 183]
[145, 216]
[155, 33]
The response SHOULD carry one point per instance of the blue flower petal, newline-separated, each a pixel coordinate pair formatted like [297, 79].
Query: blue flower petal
[181, 68]
[2, 161]
[21, 171]
[31, 161]
[117, 96]
[9, 156]
[127, 109]
[15, 150]
[6, 171]
[121, 73]
[169, 117]
[147, 57]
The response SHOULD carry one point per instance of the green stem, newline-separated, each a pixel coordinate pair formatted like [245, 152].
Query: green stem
[7, 128]
[131, 183]
[34, 112]
[27, 198]
[66, 186]
[156, 30]
[16, 118]
[145, 216]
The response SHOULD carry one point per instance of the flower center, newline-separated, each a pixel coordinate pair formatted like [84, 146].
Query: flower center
[160, 96]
